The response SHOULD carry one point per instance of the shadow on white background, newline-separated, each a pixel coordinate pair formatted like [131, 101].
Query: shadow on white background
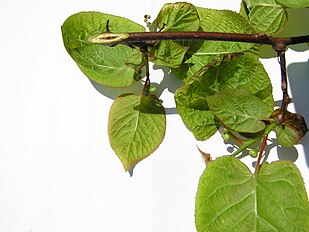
[299, 85]
[57, 170]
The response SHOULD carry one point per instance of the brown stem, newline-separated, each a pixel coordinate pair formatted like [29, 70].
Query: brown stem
[284, 86]
[144, 50]
[258, 161]
[260, 38]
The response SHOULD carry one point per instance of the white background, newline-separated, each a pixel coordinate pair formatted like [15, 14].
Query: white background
[57, 170]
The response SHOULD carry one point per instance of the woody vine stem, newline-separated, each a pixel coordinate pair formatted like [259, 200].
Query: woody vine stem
[143, 40]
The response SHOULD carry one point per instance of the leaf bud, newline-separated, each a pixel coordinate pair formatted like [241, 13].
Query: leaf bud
[253, 153]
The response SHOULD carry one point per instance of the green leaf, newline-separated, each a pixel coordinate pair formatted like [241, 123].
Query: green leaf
[192, 106]
[79, 27]
[102, 64]
[203, 52]
[243, 71]
[239, 110]
[136, 127]
[201, 123]
[265, 16]
[180, 16]
[291, 130]
[231, 198]
[294, 3]
[169, 53]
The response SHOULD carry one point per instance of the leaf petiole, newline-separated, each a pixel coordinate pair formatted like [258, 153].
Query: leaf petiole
[251, 142]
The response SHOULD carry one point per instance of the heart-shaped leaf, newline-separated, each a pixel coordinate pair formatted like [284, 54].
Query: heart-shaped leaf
[231, 198]
[136, 127]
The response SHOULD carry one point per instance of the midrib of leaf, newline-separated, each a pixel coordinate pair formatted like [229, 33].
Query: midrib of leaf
[260, 217]
[93, 63]
[136, 126]
[255, 201]
[267, 5]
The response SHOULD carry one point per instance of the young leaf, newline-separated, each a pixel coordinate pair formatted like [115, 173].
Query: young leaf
[102, 64]
[244, 71]
[203, 52]
[231, 198]
[292, 130]
[265, 16]
[180, 16]
[136, 127]
[239, 110]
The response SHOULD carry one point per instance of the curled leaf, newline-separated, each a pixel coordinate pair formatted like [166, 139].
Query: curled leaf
[179, 16]
[111, 66]
[291, 130]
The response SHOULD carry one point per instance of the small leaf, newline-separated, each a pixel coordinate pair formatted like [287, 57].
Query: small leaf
[105, 65]
[180, 16]
[265, 16]
[136, 127]
[239, 110]
[204, 52]
[292, 130]
[231, 198]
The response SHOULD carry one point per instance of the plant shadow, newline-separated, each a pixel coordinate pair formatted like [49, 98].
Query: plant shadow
[284, 153]
[169, 82]
[299, 82]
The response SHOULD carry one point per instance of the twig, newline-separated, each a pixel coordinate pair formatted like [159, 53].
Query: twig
[144, 39]
[284, 86]
[149, 38]
[144, 50]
